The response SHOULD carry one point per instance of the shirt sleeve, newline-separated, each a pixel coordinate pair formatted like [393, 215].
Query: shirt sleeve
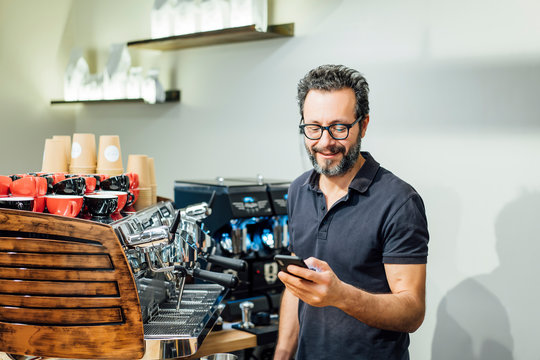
[405, 234]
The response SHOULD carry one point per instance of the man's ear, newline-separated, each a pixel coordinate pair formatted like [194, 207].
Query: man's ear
[365, 123]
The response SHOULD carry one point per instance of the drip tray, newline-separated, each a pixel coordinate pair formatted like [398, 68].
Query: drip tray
[195, 318]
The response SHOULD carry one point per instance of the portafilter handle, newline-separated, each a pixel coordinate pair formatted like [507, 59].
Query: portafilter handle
[227, 280]
[227, 263]
[176, 222]
[197, 212]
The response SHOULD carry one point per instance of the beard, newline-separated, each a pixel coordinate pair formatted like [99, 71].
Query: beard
[347, 162]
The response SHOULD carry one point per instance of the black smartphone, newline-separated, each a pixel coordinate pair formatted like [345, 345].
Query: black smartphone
[285, 260]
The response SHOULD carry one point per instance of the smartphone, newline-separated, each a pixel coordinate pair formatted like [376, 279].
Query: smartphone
[285, 260]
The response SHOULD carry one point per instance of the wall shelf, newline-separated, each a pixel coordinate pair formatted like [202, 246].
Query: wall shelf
[223, 36]
[171, 96]
[207, 38]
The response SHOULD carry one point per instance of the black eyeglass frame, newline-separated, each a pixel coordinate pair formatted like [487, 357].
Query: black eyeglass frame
[327, 128]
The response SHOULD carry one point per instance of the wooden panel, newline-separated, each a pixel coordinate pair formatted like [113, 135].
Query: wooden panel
[58, 288]
[39, 223]
[56, 260]
[61, 316]
[82, 342]
[57, 274]
[123, 340]
[47, 245]
[58, 302]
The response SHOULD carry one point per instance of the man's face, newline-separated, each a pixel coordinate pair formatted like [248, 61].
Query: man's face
[332, 157]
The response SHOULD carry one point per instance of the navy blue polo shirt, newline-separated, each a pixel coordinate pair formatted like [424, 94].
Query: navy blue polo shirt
[380, 220]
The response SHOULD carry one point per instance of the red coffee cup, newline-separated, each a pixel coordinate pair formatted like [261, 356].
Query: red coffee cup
[90, 184]
[133, 180]
[5, 182]
[39, 204]
[64, 205]
[29, 186]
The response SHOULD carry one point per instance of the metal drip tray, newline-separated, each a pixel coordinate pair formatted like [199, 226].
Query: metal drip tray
[198, 307]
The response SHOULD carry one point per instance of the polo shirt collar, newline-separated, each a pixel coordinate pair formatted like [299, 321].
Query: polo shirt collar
[362, 180]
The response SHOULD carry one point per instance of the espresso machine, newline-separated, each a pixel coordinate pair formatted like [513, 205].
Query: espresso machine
[249, 222]
[165, 248]
[71, 281]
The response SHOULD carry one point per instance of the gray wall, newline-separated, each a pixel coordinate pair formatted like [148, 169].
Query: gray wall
[455, 112]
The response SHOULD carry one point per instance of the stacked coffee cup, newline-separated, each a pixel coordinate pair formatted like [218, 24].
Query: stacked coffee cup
[54, 156]
[109, 156]
[83, 154]
[153, 185]
[139, 164]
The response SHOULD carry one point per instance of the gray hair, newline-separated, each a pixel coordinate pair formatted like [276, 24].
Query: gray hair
[335, 77]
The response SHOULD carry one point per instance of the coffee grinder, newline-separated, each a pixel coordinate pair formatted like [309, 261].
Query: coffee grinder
[249, 222]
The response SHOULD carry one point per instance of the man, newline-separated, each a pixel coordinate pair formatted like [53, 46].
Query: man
[362, 231]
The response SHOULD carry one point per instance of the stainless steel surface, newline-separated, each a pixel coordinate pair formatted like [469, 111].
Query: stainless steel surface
[179, 333]
[246, 308]
[150, 238]
[239, 240]
[220, 356]
[280, 229]
[198, 305]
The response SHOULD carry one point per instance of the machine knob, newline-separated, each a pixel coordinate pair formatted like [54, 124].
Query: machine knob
[246, 308]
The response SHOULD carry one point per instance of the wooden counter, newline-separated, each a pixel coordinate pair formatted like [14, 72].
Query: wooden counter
[224, 341]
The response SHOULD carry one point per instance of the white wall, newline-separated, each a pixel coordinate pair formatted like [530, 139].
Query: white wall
[33, 44]
[454, 88]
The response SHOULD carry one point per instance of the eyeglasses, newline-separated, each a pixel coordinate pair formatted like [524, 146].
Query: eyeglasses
[336, 131]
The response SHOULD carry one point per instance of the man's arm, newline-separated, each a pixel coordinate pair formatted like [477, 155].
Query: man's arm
[288, 327]
[401, 310]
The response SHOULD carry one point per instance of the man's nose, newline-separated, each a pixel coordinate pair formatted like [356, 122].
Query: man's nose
[326, 138]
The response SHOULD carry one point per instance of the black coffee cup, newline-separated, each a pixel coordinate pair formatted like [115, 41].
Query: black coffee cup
[17, 203]
[50, 183]
[99, 205]
[116, 183]
[71, 186]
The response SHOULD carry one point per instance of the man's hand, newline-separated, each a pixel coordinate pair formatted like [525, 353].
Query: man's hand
[402, 309]
[318, 287]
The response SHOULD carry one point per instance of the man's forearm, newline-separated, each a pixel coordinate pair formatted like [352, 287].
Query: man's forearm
[288, 327]
[402, 312]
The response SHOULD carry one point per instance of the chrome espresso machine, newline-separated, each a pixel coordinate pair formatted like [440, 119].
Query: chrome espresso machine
[165, 249]
[248, 222]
